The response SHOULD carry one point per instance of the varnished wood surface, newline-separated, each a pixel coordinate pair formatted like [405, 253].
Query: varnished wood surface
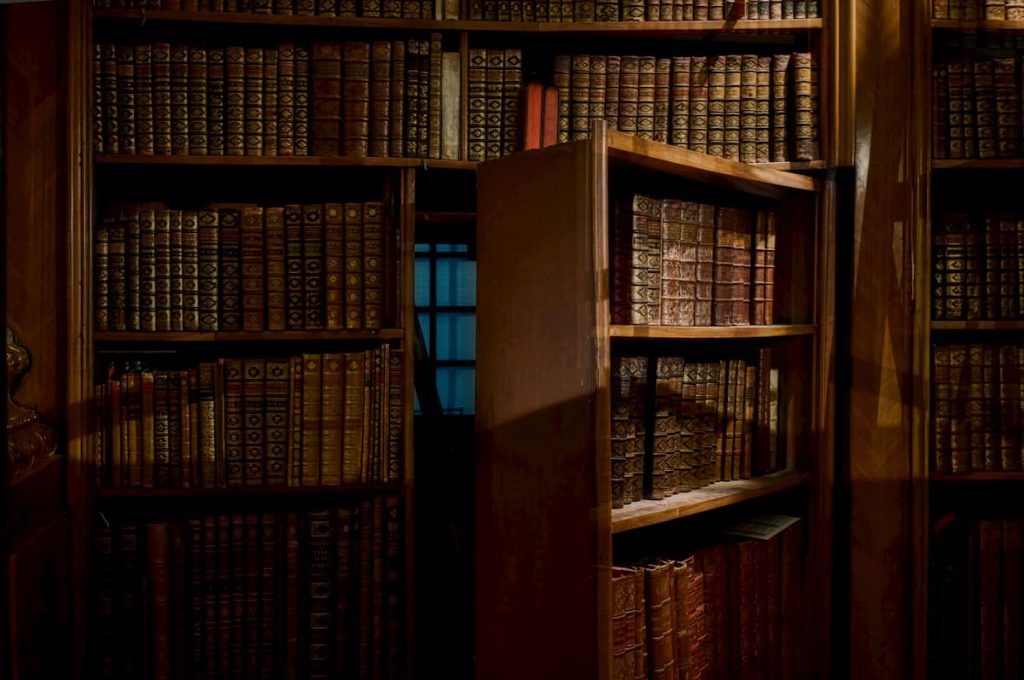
[983, 25]
[538, 562]
[638, 29]
[978, 477]
[718, 495]
[977, 325]
[651, 155]
[282, 161]
[711, 332]
[135, 494]
[978, 164]
[879, 349]
[142, 338]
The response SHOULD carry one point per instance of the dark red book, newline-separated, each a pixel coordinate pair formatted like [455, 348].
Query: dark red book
[531, 115]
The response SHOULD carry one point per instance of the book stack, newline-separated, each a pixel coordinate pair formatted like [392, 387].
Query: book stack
[495, 81]
[977, 104]
[310, 420]
[383, 98]
[245, 267]
[679, 425]
[978, 402]
[971, 10]
[317, 593]
[975, 611]
[750, 108]
[978, 267]
[681, 263]
[726, 611]
[388, 9]
[569, 11]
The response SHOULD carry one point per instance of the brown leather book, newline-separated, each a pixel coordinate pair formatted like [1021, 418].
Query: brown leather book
[780, 108]
[176, 260]
[174, 430]
[731, 107]
[433, 83]
[990, 603]
[689, 466]
[162, 258]
[347, 588]
[230, 272]
[312, 375]
[334, 255]
[143, 84]
[108, 85]
[561, 78]
[942, 405]
[296, 423]
[303, 65]
[352, 470]
[332, 397]
[512, 81]
[126, 99]
[356, 99]
[679, 102]
[197, 101]
[239, 628]
[413, 77]
[373, 265]
[717, 67]
[477, 102]
[286, 99]
[254, 425]
[216, 100]
[159, 599]
[494, 93]
[224, 653]
[189, 270]
[976, 405]
[396, 126]
[326, 98]
[748, 421]
[990, 408]
[959, 431]
[196, 592]
[295, 293]
[622, 429]
[380, 98]
[209, 270]
[267, 636]
[322, 620]
[623, 624]
[748, 107]
[661, 633]
[353, 266]
[234, 423]
[271, 69]
[364, 563]
[253, 276]
[1009, 408]
[805, 108]
[275, 258]
[678, 277]
[704, 424]
[1011, 596]
[393, 588]
[131, 276]
[313, 265]
[1007, 111]
[207, 423]
[395, 415]
[699, 104]
[665, 463]
[292, 544]
[254, 101]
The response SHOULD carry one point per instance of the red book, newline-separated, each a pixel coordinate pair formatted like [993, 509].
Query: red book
[549, 128]
[531, 117]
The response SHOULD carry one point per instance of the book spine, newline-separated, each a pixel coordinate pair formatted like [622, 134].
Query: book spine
[225, 594]
[175, 264]
[311, 422]
[143, 94]
[690, 465]
[494, 92]
[159, 599]
[292, 541]
[749, 72]
[197, 103]
[511, 85]
[254, 109]
[326, 98]
[294, 291]
[561, 78]
[253, 292]
[302, 101]
[676, 297]
[109, 99]
[356, 98]
[209, 270]
[352, 470]
[162, 259]
[412, 99]
[179, 100]
[396, 136]
[271, 68]
[1007, 428]
[380, 98]
[434, 74]
[254, 423]
[451, 89]
[286, 99]
[333, 261]
[313, 262]
[646, 93]
[680, 102]
[716, 105]
[660, 620]
[353, 266]
[234, 423]
[985, 108]
[234, 100]
[373, 265]
[189, 270]
[423, 123]
[989, 598]
[322, 587]
[230, 269]
[332, 396]
[732, 106]
[699, 112]
[749, 397]
[613, 79]
[125, 99]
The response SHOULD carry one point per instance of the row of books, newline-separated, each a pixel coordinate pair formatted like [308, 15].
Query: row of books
[503, 10]
[978, 266]
[244, 267]
[310, 420]
[977, 108]
[354, 99]
[727, 611]
[679, 425]
[749, 108]
[493, 87]
[992, 10]
[254, 595]
[976, 599]
[978, 403]
[682, 263]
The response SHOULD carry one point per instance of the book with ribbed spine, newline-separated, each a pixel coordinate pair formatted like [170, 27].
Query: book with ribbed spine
[177, 462]
[334, 258]
[126, 99]
[179, 99]
[294, 269]
[623, 624]
[131, 404]
[144, 99]
[274, 268]
[423, 121]
[353, 266]
[230, 268]
[312, 374]
[234, 100]
[207, 426]
[352, 470]
[176, 261]
[321, 558]
[613, 76]
[690, 467]
[356, 99]
[395, 413]
[679, 104]
[161, 430]
[159, 605]
[132, 274]
[731, 107]
[312, 263]
[101, 266]
[214, 101]
[779, 108]
[749, 107]
[209, 269]
[747, 414]
[286, 99]
[109, 89]
[623, 430]
[373, 265]
[380, 98]
[413, 84]
[270, 101]
[326, 98]
[1007, 107]
[985, 108]
[646, 92]
[477, 102]
[189, 270]
[676, 298]
[162, 250]
[253, 276]
[253, 380]
[629, 262]
[332, 398]
[292, 544]
[396, 126]
[296, 421]
[699, 91]
[302, 100]
[254, 101]
[198, 140]
[661, 470]
[234, 425]
[434, 76]
[975, 406]
[512, 81]
[494, 92]
[716, 105]
[661, 633]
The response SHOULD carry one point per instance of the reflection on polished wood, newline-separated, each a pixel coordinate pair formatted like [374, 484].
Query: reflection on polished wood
[711, 332]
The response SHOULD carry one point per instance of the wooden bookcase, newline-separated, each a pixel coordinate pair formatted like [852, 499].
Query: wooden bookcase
[96, 180]
[546, 533]
[944, 185]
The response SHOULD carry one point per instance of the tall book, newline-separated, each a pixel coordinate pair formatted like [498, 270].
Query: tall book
[356, 96]
[326, 74]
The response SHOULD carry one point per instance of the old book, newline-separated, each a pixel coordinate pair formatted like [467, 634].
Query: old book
[942, 405]
[732, 105]
[161, 429]
[313, 263]
[610, 97]
[679, 102]
[195, 102]
[731, 268]
[1011, 596]
[326, 98]
[373, 265]
[270, 101]
[1008, 427]
[623, 624]
[780, 108]
[433, 101]
[125, 83]
[101, 280]
[414, 79]
[234, 100]
[176, 261]
[662, 99]
[234, 423]
[206, 424]
[424, 122]
[975, 406]
[159, 605]
[117, 275]
[189, 270]
[1014, 10]
[940, 111]
[230, 268]
[311, 424]
[1007, 108]
[143, 98]
[292, 548]
[691, 468]
[579, 97]
[629, 262]
[355, 107]
[285, 99]
[352, 470]
[296, 424]
[162, 248]
[749, 403]
[954, 71]
[321, 558]
[252, 262]
[699, 89]
[396, 90]
[677, 292]
[274, 268]
[295, 298]
[216, 100]
[209, 270]
[531, 115]
[748, 107]
[512, 80]
[332, 396]
[334, 257]
[985, 108]
[646, 94]
[109, 89]
[451, 126]
[253, 386]
[254, 101]
[301, 130]
[494, 89]
[660, 469]
[661, 633]
[714, 564]
[353, 266]
[477, 102]
[959, 431]
[380, 98]
[623, 431]
[132, 274]
[990, 603]
[131, 404]
[395, 412]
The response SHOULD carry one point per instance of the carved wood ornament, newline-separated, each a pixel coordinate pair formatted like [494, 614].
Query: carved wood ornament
[30, 441]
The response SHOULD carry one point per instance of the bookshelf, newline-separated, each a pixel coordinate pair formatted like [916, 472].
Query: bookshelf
[964, 489]
[547, 531]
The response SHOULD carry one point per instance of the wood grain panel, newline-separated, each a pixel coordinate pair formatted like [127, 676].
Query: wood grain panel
[880, 344]
[34, 197]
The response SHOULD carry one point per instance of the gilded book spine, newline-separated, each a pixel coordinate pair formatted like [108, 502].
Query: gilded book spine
[144, 99]
[312, 262]
[179, 99]
[271, 68]
[356, 98]
[234, 101]
[254, 101]
[334, 258]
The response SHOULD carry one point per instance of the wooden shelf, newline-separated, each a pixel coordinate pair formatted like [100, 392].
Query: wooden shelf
[632, 28]
[283, 161]
[243, 336]
[718, 495]
[978, 164]
[1016, 476]
[983, 25]
[234, 491]
[978, 325]
[661, 157]
[710, 332]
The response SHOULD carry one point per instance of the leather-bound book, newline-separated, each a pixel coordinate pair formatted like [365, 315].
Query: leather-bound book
[313, 263]
[253, 277]
[190, 395]
[691, 468]
[101, 266]
[296, 422]
[109, 88]
[380, 98]
[531, 115]
[990, 374]
[976, 405]
[210, 597]
[805, 106]
[197, 103]
[352, 470]
[115, 459]
[364, 598]
[676, 293]
[254, 386]
[953, 241]
[662, 99]
[451, 93]
[131, 403]
[159, 605]
[974, 269]
[612, 84]
[161, 430]
[413, 79]
[704, 217]
[209, 270]
[512, 82]
[1011, 596]
[207, 425]
[189, 270]
[373, 265]
[396, 89]
[216, 99]
[234, 101]
[629, 93]
[321, 557]
[230, 268]
[353, 266]
[285, 99]
[176, 262]
[985, 108]
[1014, 10]
[290, 595]
[332, 397]
[748, 421]
[660, 620]
[234, 423]
[727, 415]
[160, 60]
[623, 624]
[355, 99]
[942, 405]
[162, 249]
[660, 471]
[180, 455]
[762, 462]
[326, 98]
[334, 253]
[232, 539]
[312, 375]
[132, 275]
[394, 416]
[423, 127]
[699, 90]
[623, 430]
[732, 107]
[144, 99]
[303, 65]
[275, 407]
[653, 279]
[270, 101]
[494, 89]
[346, 588]
[959, 431]
[679, 102]
[629, 262]
[196, 588]
[748, 107]
[780, 108]
[393, 590]
[716, 10]
[958, 79]
[180, 100]
[254, 101]
[716, 104]
[126, 99]
[646, 91]
[477, 101]
[940, 111]
[579, 94]
[633, 10]
[263, 651]
[714, 566]
[1007, 275]
[1007, 107]
[434, 74]
[274, 281]
[295, 296]
[730, 254]
[1008, 425]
